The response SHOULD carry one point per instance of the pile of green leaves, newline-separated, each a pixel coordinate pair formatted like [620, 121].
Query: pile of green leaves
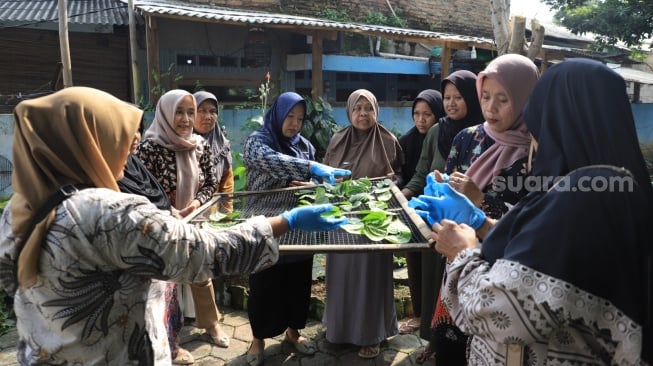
[366, 203]
[219, 220]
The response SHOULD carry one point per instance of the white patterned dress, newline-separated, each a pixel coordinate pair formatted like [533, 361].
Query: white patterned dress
[94, 299]
[559, 324]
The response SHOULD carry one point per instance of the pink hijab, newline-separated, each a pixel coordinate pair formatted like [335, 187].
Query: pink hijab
[518, 75]
[162, 133]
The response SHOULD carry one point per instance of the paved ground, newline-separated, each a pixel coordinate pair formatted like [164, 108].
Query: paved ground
[398, 350]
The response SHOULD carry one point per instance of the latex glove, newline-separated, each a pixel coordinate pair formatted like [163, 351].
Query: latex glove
[327, 172]
[447, 203]
[309, 218]
[431, 181]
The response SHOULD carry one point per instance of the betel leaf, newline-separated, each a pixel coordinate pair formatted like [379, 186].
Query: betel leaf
[398, 233]
[385, 196]
[219, 216]
[334, 212]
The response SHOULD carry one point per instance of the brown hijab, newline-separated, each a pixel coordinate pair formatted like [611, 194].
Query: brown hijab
[372, 153]
[76, 135]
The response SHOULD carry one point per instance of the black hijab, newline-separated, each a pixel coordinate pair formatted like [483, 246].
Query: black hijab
[465, 82]
[139, 180]
[411, 143]
[598, 241]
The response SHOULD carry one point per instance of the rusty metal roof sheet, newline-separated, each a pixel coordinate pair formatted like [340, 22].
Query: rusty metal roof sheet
[100, 12]
[212, 13]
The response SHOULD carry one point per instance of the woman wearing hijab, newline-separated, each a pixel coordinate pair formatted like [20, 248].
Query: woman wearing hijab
[206, 126]
[565, 276]
[360, 305]
[198, 300]
[182, 162]
[276, 156]
[496, 149]
[462, 110]
[427, 109]
[81, 270]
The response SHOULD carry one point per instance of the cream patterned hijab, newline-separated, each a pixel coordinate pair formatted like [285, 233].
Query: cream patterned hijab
[162, 132]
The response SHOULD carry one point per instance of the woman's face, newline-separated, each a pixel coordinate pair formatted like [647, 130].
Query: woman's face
[292, 124]
[496, 105]
[363, 117]
[134, 146]
[423, 117]
[184, 116]
[454, 103]
[207, 115]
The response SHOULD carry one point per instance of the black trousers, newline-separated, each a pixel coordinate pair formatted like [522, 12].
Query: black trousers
[280, 297]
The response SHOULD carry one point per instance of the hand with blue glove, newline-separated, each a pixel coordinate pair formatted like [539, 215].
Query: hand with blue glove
[309, 218]
[432, 180]
[328, 173]
[447, 203]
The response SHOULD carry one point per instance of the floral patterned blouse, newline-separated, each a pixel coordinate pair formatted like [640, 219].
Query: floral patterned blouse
[94, 299]
[162, 163]
[502, 192]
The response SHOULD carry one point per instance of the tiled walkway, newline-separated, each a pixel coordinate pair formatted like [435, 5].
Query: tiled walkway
[397, 350]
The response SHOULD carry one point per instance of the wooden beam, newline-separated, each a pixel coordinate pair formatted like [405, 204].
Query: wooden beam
[317, 79]
[64, 45]
[153, 67]
[133, 54]
[445, 58]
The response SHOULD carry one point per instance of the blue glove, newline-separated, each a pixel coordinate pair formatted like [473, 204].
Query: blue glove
[447, 203]
[327, 172]
[309, 218]
[431, 183]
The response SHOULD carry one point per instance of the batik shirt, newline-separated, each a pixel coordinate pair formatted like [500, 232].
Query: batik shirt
[514, 304]
[268, 169]
[93, 300]
[162, 162]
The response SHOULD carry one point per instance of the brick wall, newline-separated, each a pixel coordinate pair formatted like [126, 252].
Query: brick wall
[464, 17]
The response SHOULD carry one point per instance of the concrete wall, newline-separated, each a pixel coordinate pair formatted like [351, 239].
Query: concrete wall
[398, 120]
[466, 17]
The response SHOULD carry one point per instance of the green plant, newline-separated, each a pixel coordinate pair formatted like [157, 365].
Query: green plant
[334, 14]
[240, 178]
[319, 125]
[163, 82]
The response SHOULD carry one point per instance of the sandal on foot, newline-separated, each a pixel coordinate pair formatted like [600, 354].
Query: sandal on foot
[183, 358]
[424, 356]
[305, 346]
[409, 327]
[254, 359]
[370, 351]
[222, 341]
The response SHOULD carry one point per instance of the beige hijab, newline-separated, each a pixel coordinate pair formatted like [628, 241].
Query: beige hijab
[162, 132]
[372, 153]
[76, 135]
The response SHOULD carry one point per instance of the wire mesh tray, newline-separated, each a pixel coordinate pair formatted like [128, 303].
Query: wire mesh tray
[273, 202]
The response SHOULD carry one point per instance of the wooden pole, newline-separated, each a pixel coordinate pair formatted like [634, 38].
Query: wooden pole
[64, 45]
[153, 68]
[133, 52]
[316, 71]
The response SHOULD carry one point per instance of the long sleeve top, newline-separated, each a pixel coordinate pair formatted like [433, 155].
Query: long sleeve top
[467, 146]
[430, 159]
[269, 169]
[96, 268]
[162, 162]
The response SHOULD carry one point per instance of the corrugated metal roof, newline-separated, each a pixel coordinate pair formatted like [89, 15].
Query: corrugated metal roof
[207, 12]
[637, 76]
[100, 12]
